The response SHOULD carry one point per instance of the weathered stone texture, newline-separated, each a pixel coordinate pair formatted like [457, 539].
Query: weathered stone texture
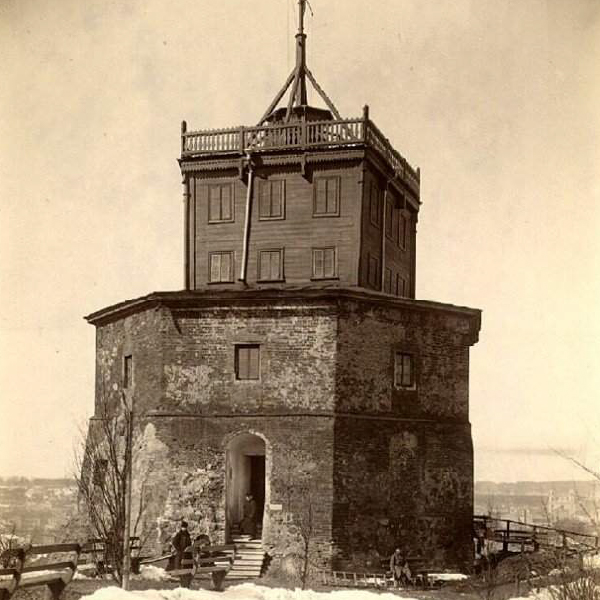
[379, 466]
[182, 469]
[402, 483]
[369, 336]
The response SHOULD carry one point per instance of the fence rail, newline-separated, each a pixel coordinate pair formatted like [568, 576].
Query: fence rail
[305, 134]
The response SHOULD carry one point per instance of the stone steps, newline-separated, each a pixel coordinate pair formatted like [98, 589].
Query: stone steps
[249, 558]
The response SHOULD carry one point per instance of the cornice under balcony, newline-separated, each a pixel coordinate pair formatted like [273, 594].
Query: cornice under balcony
[213, 145]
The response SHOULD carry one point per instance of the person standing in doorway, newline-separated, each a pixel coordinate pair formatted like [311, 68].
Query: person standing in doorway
[249, 520]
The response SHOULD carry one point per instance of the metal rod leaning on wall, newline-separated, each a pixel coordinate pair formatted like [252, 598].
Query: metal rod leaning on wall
[246, 240]
[383, 226]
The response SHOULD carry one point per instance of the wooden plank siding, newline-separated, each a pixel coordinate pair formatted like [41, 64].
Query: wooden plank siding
[297, 233]
[400, 261]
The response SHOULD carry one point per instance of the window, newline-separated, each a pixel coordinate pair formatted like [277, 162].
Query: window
[403, 232]
[326, 202]
[220, 268]
[247, 362]
[389, 218]
[400, 285]
[373, 272]
[99, 472]
[220, 203]
[387, 281]
[270, 265]
[324, 266]
[127, 371]
[375, 204]
[403, 370]
[271, 201]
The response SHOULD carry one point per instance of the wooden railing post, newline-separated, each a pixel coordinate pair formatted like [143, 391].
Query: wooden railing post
[183, 131]
[506, 537]
[303, 134]
[242, 136]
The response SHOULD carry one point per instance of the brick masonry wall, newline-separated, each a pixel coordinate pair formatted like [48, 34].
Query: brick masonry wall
[404, 484]
[181, 466]
[380, 466]
[368, 337]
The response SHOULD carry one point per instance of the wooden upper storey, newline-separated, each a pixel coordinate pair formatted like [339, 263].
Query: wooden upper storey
[311, 201]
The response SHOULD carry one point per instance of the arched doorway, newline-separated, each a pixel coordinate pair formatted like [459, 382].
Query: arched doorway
[246, 472]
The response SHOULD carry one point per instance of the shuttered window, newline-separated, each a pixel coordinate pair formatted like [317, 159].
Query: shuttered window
[324, 263]
[271, 203]
[387, 281]
[389, 218]
[400, 285]
[403, 370]
[403, 231]
[326, 201]
[247, 361]
[373, 272]
[270, 265]
[375, 204]
[220, 203]
[220, 267]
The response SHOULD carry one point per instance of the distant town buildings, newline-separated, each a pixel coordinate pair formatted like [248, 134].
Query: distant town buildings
[568, 504]
[36, 509]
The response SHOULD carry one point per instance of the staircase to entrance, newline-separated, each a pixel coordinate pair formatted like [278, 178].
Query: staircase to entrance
[249, 557]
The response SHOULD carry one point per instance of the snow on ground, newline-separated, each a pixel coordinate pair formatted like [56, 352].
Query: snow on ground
[152, 573]
[592, 561]
[447, 576]
[245, 591]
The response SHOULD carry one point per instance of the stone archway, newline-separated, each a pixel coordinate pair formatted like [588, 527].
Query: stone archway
[246, 457]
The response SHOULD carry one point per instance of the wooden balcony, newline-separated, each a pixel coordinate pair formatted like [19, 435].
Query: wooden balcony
[298, 135]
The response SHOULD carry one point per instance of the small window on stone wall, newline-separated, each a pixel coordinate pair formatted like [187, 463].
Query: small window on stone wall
[99, 473]
[247, 362]
[404, 371]
[127, 371]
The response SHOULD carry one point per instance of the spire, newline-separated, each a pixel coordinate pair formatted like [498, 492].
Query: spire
[297, 78]
[301, 56]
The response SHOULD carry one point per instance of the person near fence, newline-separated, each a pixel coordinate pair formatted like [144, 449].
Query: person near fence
[181, 540]
[399, 568]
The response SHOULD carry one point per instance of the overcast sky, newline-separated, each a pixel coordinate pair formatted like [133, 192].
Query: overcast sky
[497, 101]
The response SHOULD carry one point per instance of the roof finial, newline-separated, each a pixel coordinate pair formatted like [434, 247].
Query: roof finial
[300, 82]
[297, 78]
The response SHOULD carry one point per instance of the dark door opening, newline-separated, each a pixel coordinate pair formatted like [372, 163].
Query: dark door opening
[257, 486]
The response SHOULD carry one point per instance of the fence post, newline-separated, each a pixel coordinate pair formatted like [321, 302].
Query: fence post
[242, 136]
[183, 130]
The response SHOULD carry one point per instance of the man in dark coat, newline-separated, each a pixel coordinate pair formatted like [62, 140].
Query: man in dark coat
[399, 568]
[181, 540]
[249, 520]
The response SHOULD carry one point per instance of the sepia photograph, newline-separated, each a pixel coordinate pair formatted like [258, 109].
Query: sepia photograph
[299, 299]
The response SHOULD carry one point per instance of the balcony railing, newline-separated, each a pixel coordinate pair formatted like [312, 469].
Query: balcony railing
[298, 135]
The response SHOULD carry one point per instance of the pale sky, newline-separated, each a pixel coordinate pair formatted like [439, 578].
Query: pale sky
[497, 101]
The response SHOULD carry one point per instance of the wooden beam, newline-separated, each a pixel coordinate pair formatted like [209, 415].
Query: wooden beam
[323, 95]
[278, 97]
